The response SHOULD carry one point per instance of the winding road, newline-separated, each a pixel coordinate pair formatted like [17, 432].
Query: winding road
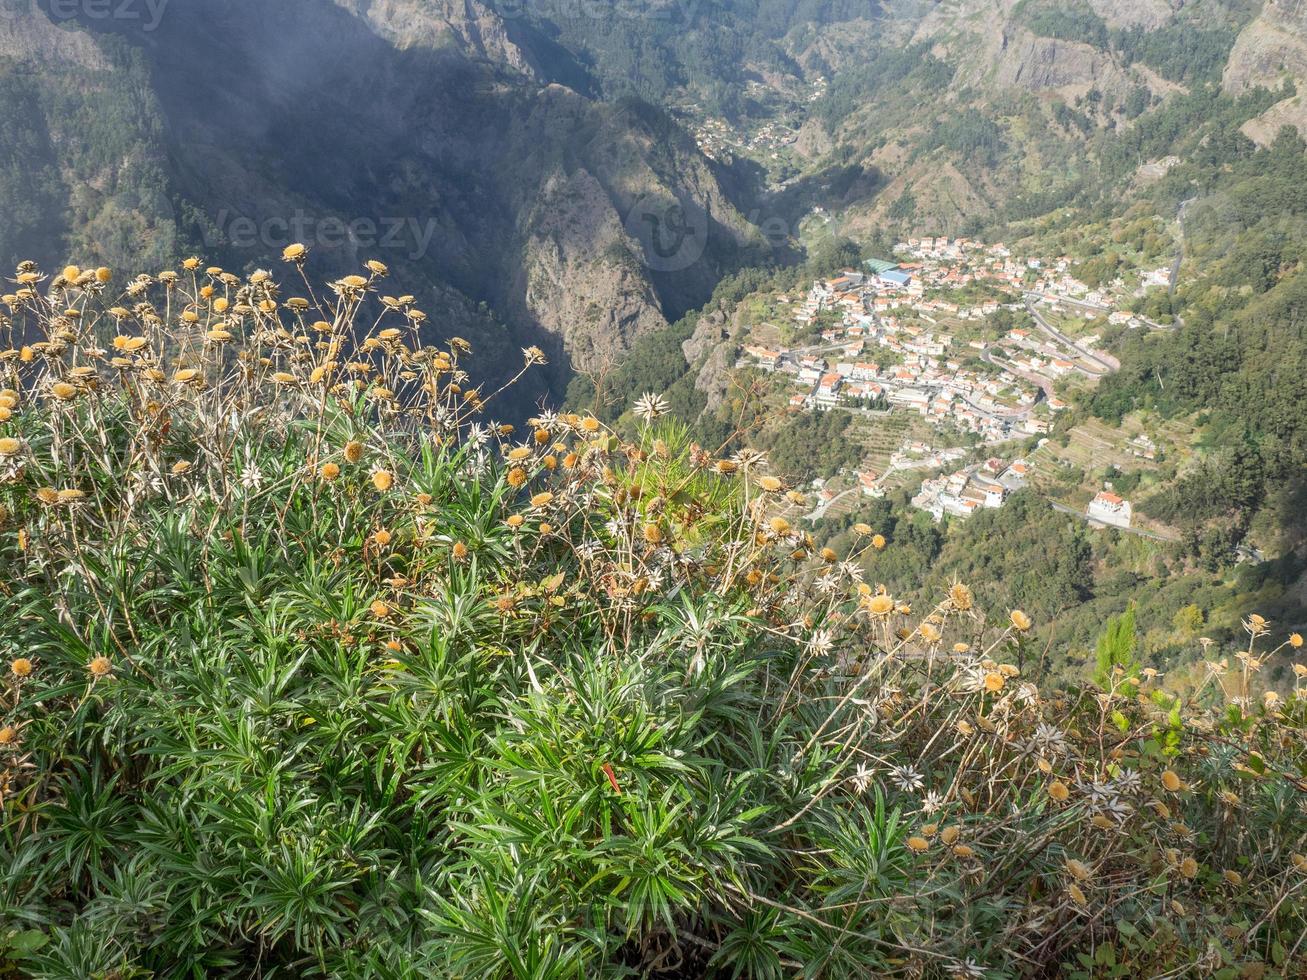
[1105, 362]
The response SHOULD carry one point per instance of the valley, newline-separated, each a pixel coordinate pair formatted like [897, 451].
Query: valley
[901, 248]
[687, 489]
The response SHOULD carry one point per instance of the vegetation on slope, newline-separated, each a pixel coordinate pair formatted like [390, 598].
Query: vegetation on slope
[309, 673]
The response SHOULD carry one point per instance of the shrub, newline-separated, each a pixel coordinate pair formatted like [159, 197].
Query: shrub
[311, 672]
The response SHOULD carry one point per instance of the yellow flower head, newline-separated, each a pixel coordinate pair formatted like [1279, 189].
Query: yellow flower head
[960, 597]
[880, 605]
[1078, 869]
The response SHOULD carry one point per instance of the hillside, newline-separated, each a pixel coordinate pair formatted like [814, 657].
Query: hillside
[313, 670]
[238, 127]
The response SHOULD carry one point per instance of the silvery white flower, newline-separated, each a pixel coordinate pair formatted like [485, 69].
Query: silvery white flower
[861, 779]
[820, 643]
[906, 778]
[1048, 740]
[546, 420]
[827, 584]
[1128, 781]
[971, 676]
[931, 802]
[650, 406]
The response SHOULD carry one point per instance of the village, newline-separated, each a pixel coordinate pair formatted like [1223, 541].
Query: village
[966, 336]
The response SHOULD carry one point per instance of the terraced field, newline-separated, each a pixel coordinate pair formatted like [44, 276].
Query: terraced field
[1095, 445]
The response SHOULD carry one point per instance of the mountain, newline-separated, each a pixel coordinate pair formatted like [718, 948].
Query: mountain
[419, 134]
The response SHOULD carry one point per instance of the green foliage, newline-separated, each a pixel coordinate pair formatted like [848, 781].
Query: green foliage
[1115, 654]
[810, 445]
[971, 134]
[312, 677]
[898, 75]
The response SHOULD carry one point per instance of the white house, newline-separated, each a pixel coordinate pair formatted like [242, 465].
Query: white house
[1108, 508]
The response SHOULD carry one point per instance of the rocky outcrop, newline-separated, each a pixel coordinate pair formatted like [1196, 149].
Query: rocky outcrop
[38, 40]
[582, 278]
[710, 352]
[1067, 68]
[1270, 50]
[1265, 128]
[813, 140]
[469, 26]
[1148, 14]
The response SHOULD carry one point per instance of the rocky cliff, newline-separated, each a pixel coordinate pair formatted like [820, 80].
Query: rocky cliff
[1269, 51]
[414, 132]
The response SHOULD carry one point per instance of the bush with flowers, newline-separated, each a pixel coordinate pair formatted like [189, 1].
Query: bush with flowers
[313, 671]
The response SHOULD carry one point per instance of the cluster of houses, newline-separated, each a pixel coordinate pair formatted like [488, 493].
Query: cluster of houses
[963, 492]
[944, 262]
[912, 455]
[717, 138]
[917, 367]
[898, 306]
[889, 338]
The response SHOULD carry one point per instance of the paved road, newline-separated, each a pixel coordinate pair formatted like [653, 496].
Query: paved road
[820, 510]
[1105, 362]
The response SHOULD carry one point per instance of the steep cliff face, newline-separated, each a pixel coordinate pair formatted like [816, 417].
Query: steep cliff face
[1041, 64]
[991, 44]
[710, 352]
[1270, 50]
[468, 26]
[414, 132]
[582, 277]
